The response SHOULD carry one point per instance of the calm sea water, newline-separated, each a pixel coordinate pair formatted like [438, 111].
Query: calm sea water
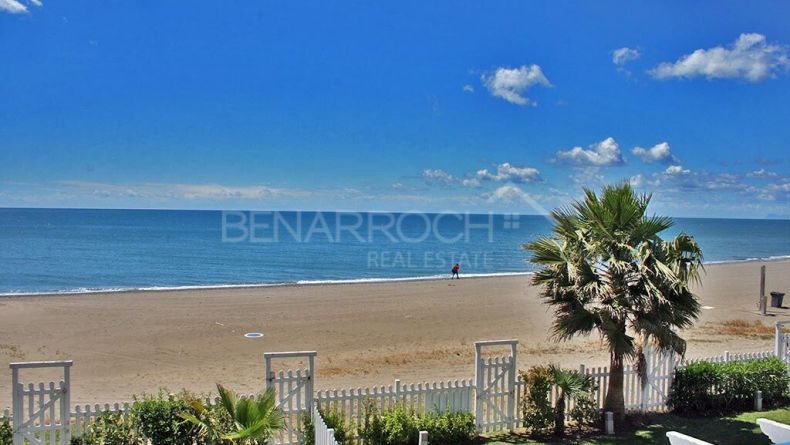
[62, 250]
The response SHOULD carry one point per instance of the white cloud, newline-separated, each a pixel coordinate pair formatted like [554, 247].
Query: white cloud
[749, 58]
[761, 173]
[621, 56]
[469, 88]
[510, 84]
[182, 191]
[510, 193]
[676, 170]
[601, 154]
[509, 173]
[13, 6]
[436, 175]
[636, 180]
[657, 153]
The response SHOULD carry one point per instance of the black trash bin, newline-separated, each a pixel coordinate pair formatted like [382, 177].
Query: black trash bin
[776, 299]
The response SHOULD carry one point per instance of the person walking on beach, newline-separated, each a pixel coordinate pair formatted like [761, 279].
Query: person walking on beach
[456, 268]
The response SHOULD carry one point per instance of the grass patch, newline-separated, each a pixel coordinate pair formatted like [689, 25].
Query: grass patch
[731, 430]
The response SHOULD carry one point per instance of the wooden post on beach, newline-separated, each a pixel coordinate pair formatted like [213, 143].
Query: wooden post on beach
[763, 305]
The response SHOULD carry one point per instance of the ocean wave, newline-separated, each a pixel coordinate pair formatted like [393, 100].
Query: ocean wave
[86, 290]
[751, 259]
[81, 291]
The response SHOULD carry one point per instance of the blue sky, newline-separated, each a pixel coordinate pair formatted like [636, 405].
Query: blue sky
[432, 106]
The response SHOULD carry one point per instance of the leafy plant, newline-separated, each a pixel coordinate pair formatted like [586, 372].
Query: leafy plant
[572, 385]
[605, 268]
[585, 410]
[335, 420]
[6, 431]
[108, 429]
[400, 425]
[371, 429]
[158, 419]
[705, 388]
[536, 407]
[308, 431]
[448, 428]
[253, 420]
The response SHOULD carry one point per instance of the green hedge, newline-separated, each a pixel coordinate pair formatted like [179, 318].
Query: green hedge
[6, 432]
[400, 425]
[706, 388]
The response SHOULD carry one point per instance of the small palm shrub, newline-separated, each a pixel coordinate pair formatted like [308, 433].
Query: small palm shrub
[242, 420]
[572, 385]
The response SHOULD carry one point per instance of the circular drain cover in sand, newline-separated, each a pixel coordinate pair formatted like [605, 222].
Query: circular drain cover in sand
[253, 335]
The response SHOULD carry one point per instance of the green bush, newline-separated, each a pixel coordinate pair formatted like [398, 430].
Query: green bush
[585, 411]
[308, 430]
[536, 409]
[6, 432]
[448, 428]
[158, 419]
[334, 419]
[371, 428]
[108, 429]
[706, 388]
[400, 425]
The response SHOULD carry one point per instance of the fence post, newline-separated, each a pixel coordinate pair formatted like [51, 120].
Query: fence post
[65, 405]
[16, 405]
[758, 400]
[609, 422]
[423, 438]
[779, 340]
[511, 401]
[478, 388]
[397, 391]
[726, 356]
[644, 378]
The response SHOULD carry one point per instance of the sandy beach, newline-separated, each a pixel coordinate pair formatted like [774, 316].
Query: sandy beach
[372, 333]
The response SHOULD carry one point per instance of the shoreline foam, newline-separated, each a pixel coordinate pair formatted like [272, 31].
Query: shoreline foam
[327, 282]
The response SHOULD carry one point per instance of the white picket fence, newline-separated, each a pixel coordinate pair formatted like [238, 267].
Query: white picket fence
[495, 396]
[323, 434]
[452, 395]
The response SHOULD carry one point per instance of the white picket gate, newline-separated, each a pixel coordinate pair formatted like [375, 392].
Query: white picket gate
[495, 384]
[41, 414]
[294, 392]
[659, 372]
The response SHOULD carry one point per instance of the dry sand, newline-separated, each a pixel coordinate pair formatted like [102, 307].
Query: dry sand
[127, 343]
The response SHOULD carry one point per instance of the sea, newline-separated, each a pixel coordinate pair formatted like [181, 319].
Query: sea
[45, 251]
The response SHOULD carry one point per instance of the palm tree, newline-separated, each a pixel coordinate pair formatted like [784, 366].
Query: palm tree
[572, 384]
[251, 420]
[605, 268]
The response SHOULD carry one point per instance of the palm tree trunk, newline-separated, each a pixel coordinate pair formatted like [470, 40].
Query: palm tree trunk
[559, 416]
[614, 401]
